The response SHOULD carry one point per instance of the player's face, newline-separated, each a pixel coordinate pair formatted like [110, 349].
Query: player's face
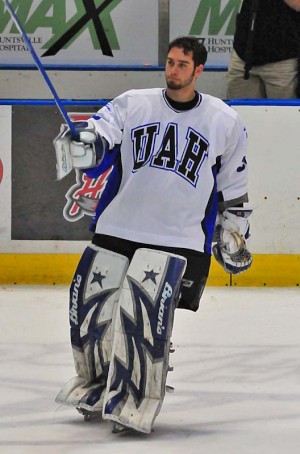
[180, 70]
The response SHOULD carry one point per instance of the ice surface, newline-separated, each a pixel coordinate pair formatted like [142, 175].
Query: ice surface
[236, 377]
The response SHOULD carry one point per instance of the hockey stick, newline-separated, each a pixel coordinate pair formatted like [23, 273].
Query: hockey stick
[41, 69]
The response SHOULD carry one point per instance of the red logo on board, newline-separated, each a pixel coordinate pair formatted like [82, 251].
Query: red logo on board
[84, 195]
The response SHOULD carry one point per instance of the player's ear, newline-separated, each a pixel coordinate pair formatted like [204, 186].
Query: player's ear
[198, 70]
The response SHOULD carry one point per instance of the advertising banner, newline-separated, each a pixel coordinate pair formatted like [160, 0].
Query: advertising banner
[5, 173]
[211, 20]
[113, 32]
[75, 32]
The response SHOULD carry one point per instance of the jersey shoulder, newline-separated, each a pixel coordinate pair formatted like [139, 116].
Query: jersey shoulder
[141, 92]
[137, 97]
[216, 105]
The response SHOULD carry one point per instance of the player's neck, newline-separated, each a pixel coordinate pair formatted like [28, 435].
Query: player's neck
[183, 106]
[182, 95]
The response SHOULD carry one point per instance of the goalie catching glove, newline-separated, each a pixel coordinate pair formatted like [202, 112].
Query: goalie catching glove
[231, 233]
[82, 152]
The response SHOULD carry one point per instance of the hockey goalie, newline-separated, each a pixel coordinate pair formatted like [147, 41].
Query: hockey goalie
[176, 195]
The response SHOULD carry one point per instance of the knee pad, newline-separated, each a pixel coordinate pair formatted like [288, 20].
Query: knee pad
[142, 330]
[94, 293]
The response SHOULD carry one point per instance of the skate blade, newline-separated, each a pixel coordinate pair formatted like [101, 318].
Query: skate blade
[89, 415]
[170, 389]
[172, 348]
[119, 428]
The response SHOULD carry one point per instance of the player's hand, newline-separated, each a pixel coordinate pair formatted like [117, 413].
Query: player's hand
[231, 234]
[81, 152]
[231, 252]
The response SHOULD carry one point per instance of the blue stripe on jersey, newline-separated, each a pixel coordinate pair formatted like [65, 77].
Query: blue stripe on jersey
[111, 158]
[208, 223]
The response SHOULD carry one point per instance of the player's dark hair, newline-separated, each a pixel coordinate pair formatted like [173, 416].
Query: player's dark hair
[191, 44]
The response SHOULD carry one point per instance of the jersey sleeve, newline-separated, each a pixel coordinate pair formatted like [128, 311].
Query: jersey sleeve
[109, 121]
[232, 176]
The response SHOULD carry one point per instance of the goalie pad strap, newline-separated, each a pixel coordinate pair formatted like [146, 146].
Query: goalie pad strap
[143, 326]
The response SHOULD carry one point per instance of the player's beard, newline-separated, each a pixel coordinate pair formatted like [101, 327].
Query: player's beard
[174, 85]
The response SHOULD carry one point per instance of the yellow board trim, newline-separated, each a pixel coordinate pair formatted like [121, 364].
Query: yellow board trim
[280, 270]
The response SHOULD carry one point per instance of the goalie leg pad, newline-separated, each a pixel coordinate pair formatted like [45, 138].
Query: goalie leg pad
[142, 330]
[94, 294]
[83, 394]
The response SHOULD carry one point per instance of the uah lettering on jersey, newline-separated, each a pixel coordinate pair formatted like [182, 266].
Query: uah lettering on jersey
[186, 163]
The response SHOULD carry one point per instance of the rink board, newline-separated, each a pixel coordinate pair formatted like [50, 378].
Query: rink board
[42, 228]
[281, 270]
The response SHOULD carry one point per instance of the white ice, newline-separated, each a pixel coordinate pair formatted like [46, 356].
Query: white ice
[236, 377]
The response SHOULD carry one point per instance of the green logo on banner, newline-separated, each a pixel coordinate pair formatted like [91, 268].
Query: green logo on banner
[210, 11]
[91, 15]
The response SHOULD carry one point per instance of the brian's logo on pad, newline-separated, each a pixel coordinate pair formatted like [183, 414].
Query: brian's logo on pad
[167, 293]
[74, 300]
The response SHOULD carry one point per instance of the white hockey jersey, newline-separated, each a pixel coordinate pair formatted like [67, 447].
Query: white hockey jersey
[176, 167]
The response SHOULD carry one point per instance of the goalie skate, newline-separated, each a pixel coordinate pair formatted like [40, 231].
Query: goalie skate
[119, 428]
[170, 389]
[89, 415]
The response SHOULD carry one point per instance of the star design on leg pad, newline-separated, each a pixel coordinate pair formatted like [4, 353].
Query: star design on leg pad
[150, 275]
[98, 277]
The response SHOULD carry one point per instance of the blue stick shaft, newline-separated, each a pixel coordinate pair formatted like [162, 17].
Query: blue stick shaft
[40, 67]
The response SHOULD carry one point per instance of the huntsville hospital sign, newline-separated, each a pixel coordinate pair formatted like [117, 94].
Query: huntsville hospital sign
[104, 32]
